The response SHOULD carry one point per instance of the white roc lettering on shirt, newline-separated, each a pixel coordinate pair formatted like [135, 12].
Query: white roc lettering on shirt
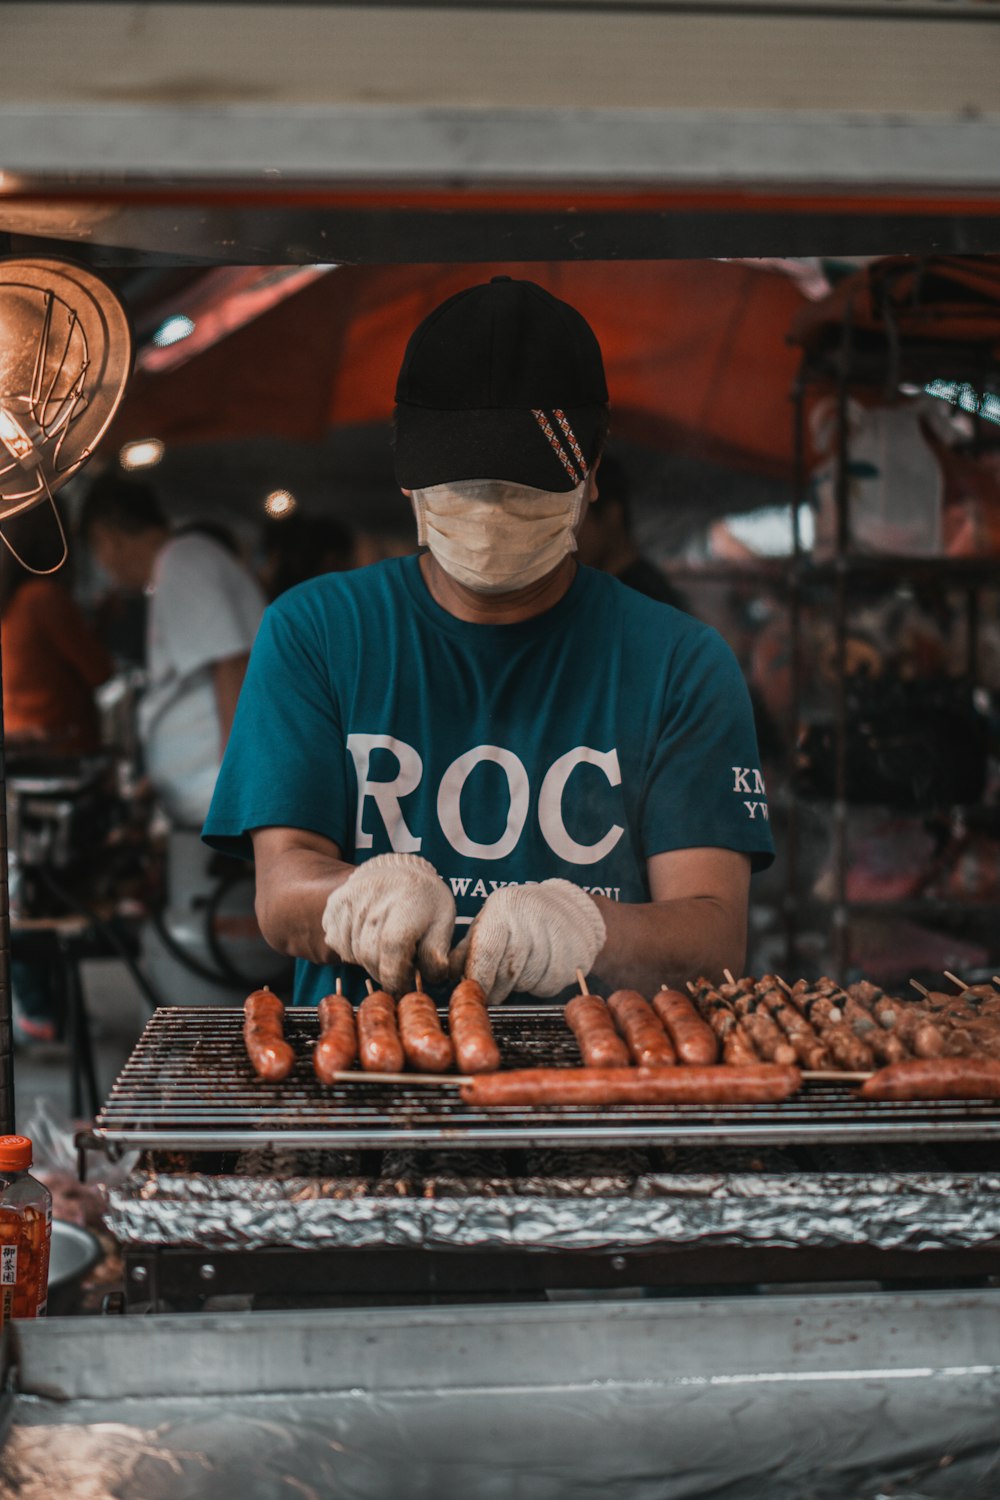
[388, 795]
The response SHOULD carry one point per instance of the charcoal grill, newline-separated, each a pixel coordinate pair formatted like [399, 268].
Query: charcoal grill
[246, 1187]
[189, 1086]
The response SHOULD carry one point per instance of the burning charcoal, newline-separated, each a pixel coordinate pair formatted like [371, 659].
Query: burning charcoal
[402, 1174]
[282, 1162]
[701, 1161]
[582, 1173]
[478, 1174]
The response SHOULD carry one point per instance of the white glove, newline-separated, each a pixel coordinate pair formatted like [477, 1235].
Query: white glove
[392, 916]
[531, 937]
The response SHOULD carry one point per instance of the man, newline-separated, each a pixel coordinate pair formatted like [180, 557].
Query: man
[487, 742]
[204, 610]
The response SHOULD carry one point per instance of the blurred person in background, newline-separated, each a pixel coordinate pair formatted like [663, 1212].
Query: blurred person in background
[52, 664]
[300, 547]
[606, 542]
[204, 609]
[52, 658]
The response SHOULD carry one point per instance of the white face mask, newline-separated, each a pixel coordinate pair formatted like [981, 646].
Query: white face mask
[495, 537]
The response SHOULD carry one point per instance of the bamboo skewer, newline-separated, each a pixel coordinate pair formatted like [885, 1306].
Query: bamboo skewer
[441, 1081]
[784, 984]
[729, 976]
[358, 1076]
[369, 987]
[920, 988]
[955, 979]
[581, 981]
[834, 1075]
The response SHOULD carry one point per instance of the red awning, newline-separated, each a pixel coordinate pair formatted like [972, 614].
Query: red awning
[696, 356]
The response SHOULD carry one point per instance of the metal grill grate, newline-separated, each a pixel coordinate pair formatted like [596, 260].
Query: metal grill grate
[189, 1086]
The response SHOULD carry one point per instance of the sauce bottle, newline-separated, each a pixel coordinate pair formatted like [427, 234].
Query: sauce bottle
[25, 1233]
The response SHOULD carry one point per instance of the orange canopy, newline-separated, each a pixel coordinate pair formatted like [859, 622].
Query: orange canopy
[944, 299]
[695, 351]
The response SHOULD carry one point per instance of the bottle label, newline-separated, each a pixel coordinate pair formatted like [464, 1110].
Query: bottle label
[8, 1280]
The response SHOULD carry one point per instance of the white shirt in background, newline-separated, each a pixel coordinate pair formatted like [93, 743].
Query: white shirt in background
[205, 607]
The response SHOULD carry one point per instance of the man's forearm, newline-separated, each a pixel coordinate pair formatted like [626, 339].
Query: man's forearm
[668, 942]
[291, 900]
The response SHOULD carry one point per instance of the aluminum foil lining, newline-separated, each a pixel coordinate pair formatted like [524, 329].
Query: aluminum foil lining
[442, 1200]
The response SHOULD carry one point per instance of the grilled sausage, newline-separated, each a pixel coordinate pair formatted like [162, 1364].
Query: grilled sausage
[425, 1044]
[643, 1031]
[691, 1085]
[379, 1046]
[936, 1078]
[337, 1047]
[692, 1037]
[590, 1022]
[262, 1003]
[472, 1037]
[263, 1034]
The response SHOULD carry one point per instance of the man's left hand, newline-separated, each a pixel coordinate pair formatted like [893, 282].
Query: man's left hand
[531, 938]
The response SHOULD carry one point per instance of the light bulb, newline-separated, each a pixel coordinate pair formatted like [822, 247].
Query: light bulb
[279, 504]
[144, 453]
[17, 442]
[172, 330]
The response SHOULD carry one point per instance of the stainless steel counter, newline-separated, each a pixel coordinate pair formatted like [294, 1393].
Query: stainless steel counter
[838, 1398]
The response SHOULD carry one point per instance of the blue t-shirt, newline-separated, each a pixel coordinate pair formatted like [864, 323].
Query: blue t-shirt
[575, 744]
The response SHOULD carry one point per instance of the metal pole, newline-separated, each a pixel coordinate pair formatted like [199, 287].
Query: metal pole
[792, 894]
[6, 1012]
[841, 918]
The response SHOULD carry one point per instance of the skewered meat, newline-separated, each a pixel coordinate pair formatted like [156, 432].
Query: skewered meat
[809, 1049]
[693, 1039]
[643, 1031]
[337, 1047]
[768, 1039]
[476, 1050]
[884, 1045]
[912, 1025]
[737, 1048]
[936, 1078]
[848, 1050]
[424, 1042]
[590, 1022]
[379, 1046]
[263, 1033]
[816, 1002]
[761, 1084]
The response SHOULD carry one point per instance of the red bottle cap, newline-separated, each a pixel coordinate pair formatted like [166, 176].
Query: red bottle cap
[15, 1153]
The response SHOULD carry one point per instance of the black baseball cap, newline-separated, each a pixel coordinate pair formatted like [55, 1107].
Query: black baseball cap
[502, 381]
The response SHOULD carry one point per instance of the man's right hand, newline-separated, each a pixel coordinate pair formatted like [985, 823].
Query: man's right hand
[393, 916]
